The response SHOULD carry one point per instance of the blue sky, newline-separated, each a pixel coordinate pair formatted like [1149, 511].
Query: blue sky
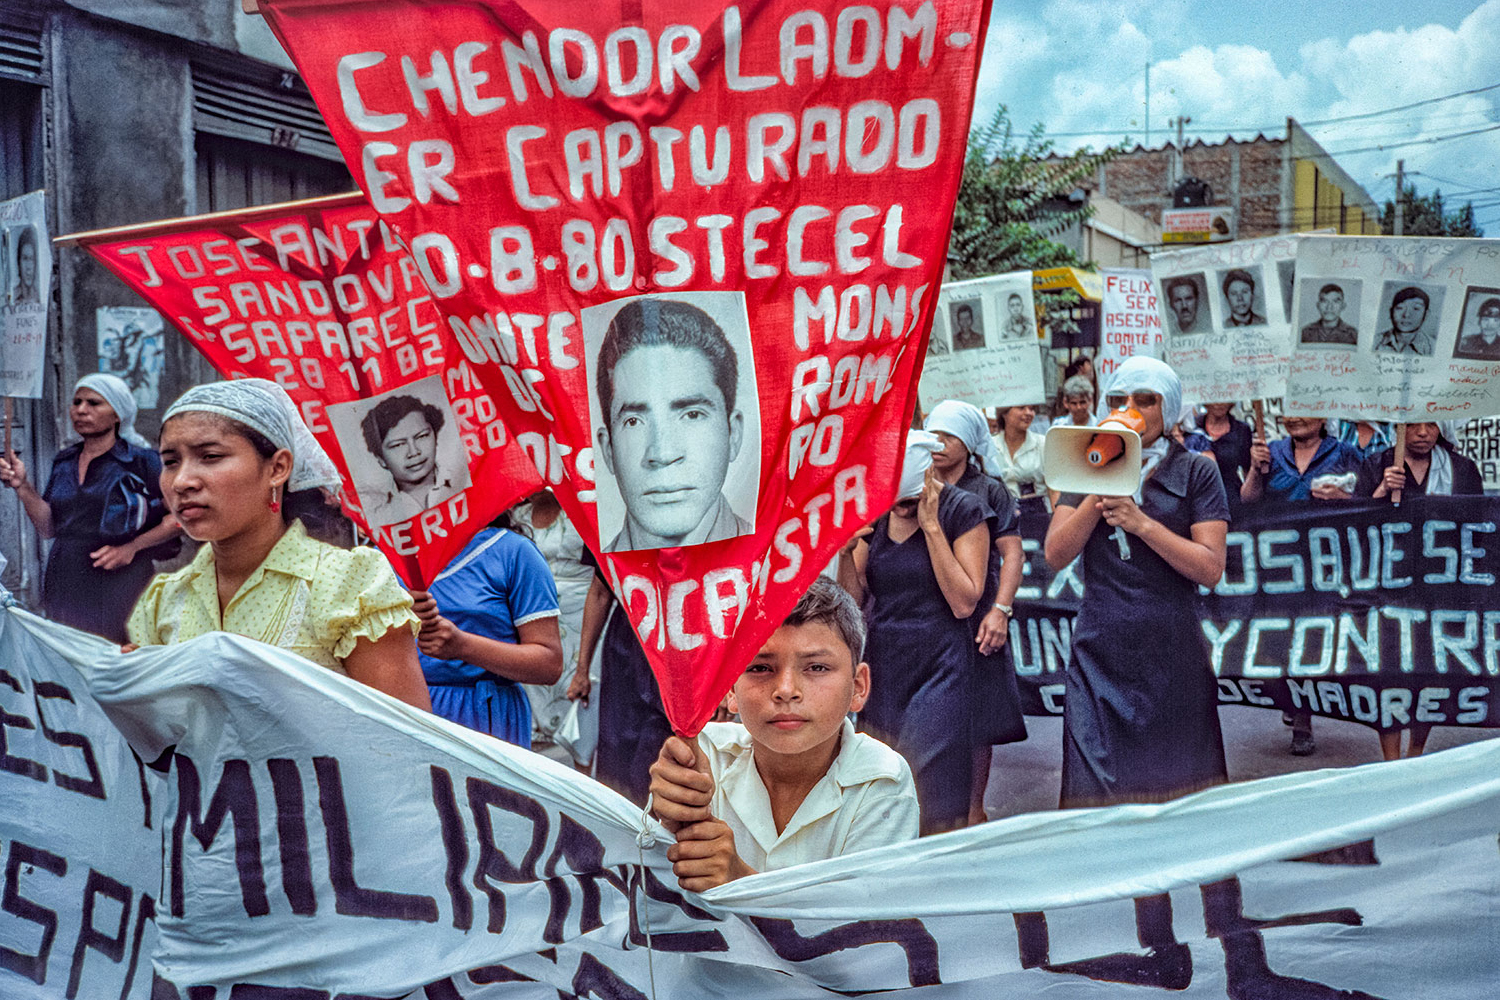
[1077, 65]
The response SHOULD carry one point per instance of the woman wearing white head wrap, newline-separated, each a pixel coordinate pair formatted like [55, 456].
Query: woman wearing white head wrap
[1140, 717]
[100, 560]
[996, 717]
[234, 455]
[922, 566]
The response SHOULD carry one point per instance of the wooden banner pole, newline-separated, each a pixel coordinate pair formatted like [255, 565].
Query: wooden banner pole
[1400, 460]
[10, 416]
[1260, 418]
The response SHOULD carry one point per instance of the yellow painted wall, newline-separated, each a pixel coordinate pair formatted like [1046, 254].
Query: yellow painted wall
[1304, 185]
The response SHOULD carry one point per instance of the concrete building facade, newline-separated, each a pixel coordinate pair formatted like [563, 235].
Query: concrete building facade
[127, 113]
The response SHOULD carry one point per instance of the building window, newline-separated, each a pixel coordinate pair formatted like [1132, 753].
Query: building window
[234, 174]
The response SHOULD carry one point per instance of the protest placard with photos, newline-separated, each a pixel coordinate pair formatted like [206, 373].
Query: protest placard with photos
[984, 348]
[25, 291]
[1419, 337]
[1129, 319]
[320, 297]
[1224, 310]
[673, 185]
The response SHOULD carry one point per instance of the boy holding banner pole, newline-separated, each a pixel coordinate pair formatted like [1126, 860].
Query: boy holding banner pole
[792, 782]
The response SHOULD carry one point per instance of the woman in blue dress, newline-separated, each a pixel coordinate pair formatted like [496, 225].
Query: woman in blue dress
[1141, 712]
[489, 625]
[920, 573]
[92, 582]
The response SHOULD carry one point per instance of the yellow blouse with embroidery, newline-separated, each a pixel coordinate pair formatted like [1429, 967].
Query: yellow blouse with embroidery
[309, 597]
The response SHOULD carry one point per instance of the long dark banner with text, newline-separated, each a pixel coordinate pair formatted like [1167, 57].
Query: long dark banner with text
[1359, 611]
[309, 838]
[320, 297]
[695, 247]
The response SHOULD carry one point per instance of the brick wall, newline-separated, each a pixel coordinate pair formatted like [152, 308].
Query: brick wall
[1244, 175]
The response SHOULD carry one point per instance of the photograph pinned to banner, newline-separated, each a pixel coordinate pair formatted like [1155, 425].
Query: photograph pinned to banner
[1414, 323]
[675, 418]
[1129, 319]
[1224, 312]
[990, 355]
[403, 449]
[25, 284]
[131, 346]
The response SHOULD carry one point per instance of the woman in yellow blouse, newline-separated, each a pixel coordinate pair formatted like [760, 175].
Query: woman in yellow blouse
[229, 451]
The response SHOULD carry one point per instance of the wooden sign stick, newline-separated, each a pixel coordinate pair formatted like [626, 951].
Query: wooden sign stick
[10, 415]
[1260, 418]
[1400, 460]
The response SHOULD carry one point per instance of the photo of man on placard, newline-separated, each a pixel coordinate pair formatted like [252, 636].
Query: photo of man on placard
[1413, 312]
[967, 325]
[675, 419]
[1016, 326]
[1479, 333]
[404, 450]
[1329, 301]
[1242, 296]
[1184, 296]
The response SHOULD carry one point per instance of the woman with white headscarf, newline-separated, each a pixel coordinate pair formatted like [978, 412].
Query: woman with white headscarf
[238, 465]
[919, 571]
[97, 568]
[1140, 719]
[968, 461]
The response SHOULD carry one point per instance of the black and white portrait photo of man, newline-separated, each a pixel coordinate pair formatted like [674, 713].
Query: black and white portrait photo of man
[403, 449]
[1479, 335]
[675, 419]
[1330, 301]
[968, 326]
[1242, 294]
[1184, 296]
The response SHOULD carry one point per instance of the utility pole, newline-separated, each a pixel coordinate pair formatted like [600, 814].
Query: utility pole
[1400, 192]
[1180, 121]
[1148, 105]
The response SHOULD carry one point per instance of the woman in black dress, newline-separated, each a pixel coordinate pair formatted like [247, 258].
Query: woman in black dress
[1140, 719]
[967, 455]
[920, 573]
[92, 582]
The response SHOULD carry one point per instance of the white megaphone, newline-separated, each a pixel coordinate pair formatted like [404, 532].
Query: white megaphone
[1103, 460]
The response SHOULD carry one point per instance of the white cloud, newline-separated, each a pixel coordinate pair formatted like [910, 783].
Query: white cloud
[1074, 65]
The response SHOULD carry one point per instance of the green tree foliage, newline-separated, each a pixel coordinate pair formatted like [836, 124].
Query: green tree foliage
[1424, 215]
[1014, 199]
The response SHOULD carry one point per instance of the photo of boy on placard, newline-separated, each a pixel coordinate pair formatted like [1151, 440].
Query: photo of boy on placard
[1479, 327]
[1244, 296]
[1410, 313]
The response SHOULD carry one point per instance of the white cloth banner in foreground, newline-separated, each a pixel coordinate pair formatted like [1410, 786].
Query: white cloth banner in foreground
[313, 839]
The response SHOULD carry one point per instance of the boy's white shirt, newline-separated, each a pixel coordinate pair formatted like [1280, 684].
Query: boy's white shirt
[866, 799]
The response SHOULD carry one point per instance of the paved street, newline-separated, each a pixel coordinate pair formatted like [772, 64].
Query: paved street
[1024, 777]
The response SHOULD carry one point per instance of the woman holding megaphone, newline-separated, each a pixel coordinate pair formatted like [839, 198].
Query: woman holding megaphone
[1140, 718]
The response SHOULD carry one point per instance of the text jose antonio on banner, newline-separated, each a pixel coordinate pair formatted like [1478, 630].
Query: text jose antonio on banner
[694, 247]
[318, 296]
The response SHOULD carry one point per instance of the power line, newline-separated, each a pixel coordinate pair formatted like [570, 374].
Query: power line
[1304, 124]
[1413, 142]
